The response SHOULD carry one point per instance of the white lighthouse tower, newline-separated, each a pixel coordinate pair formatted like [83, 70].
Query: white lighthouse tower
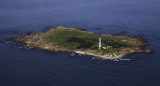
[100, 43]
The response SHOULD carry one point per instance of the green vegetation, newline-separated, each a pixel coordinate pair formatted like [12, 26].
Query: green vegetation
[82, 40]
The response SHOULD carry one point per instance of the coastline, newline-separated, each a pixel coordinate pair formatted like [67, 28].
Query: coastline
[100, 56]
[35, 41]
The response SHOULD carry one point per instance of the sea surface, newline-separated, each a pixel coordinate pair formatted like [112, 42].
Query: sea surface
[20, 66]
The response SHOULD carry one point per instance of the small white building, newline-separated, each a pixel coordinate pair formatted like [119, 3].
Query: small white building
[109, 47]
[104, 48]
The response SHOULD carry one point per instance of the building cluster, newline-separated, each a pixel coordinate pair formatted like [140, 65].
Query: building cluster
[106, 47]
[112, 54]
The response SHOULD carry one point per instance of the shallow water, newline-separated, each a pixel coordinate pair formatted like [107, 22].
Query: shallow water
[21, 66]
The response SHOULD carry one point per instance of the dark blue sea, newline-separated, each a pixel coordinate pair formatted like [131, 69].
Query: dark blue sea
[20, 66]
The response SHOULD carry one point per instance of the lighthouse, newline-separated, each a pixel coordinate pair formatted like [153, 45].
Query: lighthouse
[100, 43]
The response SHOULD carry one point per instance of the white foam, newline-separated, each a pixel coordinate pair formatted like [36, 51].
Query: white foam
[73, 54]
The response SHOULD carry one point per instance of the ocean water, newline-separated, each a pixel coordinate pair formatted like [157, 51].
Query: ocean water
[20, 66]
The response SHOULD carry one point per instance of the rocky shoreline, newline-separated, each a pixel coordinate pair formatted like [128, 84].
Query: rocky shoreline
[35, 41]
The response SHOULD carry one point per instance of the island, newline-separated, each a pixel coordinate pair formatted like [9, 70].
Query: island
[65, 39]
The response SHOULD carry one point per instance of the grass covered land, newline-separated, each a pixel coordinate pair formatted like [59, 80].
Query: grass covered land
[82, 40]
